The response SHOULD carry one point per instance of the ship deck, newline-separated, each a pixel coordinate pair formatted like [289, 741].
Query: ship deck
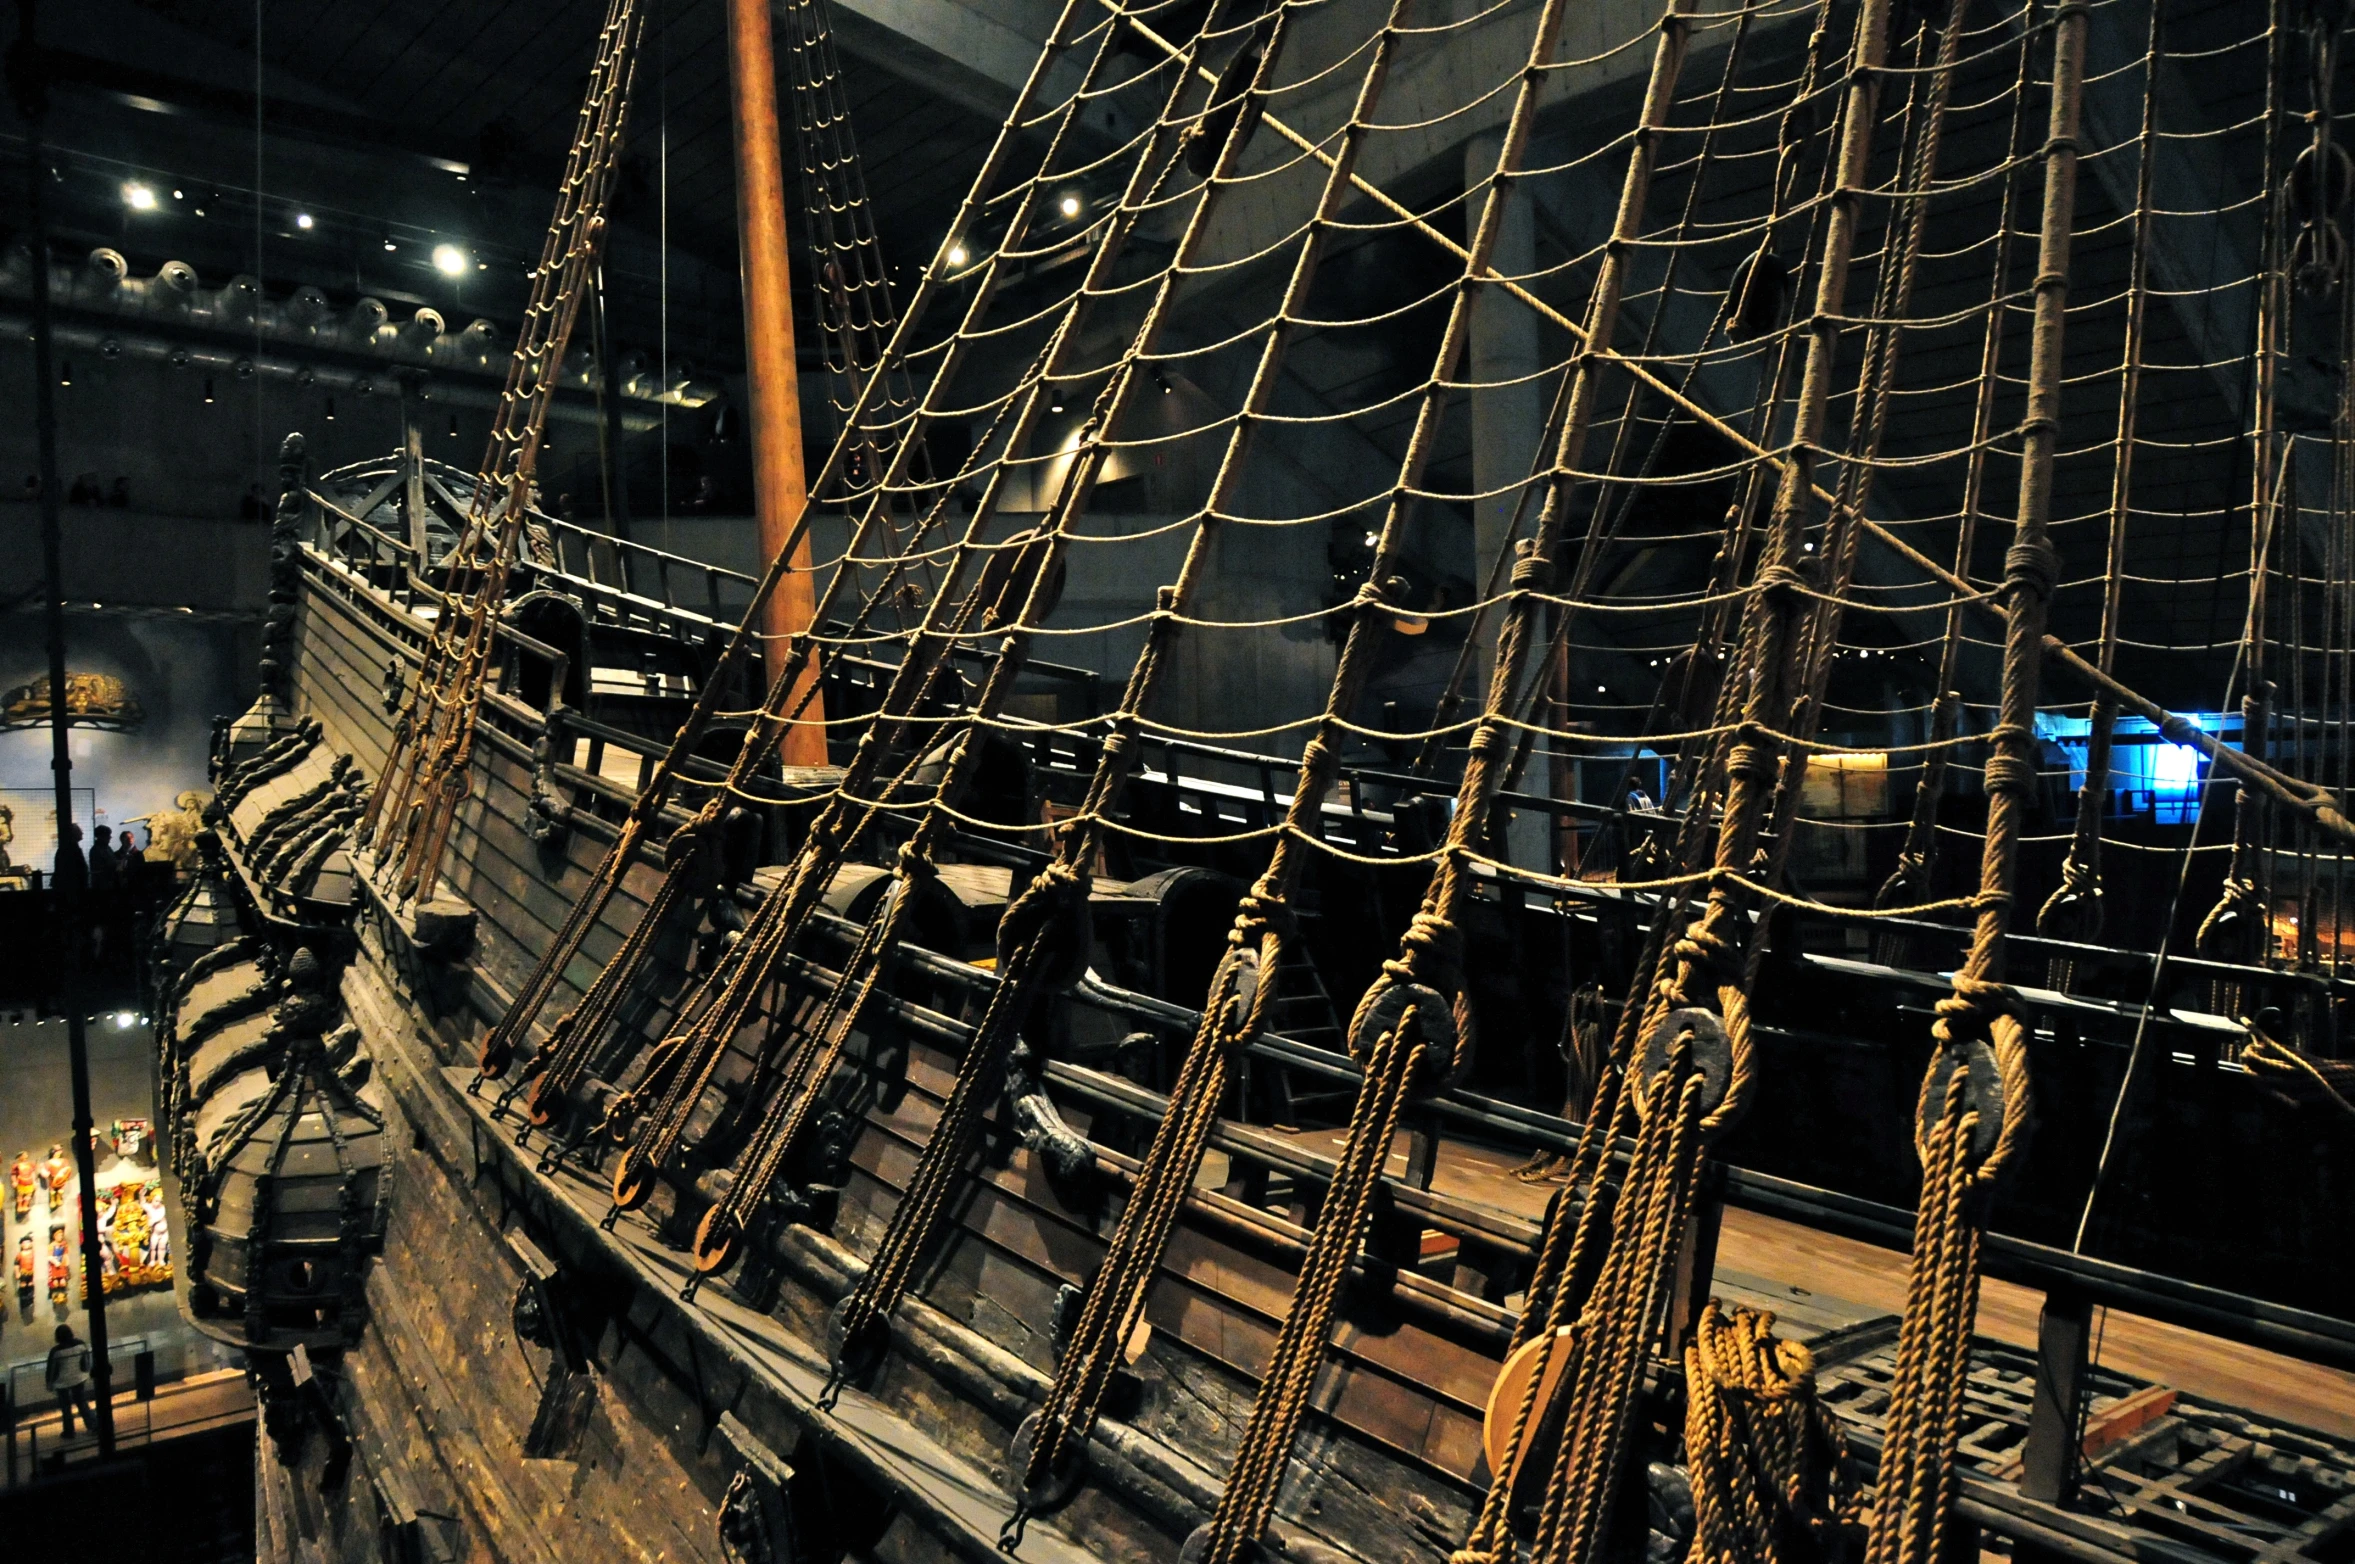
[1819, 1282]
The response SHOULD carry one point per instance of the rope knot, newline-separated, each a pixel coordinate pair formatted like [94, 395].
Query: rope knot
[1261, 912]
[1431, 950]
[1530, 568]
[2034, 565]
[1969, 1013]
[1050, 920]
[1780, 579]
[1753, 757]
[2011, 767]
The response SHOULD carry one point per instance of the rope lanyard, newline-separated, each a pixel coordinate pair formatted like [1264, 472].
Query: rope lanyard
[2238, 928]
[1917, 860]
[1973, 1112]
[2074, 912]
[428, 772]
[514, 1029]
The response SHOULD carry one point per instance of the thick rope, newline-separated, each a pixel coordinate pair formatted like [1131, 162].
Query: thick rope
[1763, 1454]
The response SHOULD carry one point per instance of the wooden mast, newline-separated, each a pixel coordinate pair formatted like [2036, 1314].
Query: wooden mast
[779, 488]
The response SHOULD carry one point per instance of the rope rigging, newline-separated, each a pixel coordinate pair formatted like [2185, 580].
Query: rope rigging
[428, 773]
[718, 1015]
[944, 579]
[572, 1045]
[1069, 873]
[1973, 1113]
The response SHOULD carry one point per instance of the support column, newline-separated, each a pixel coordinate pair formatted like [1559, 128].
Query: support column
[780, 492]
[73, 930]
[2048, 1461]
[1508, 423]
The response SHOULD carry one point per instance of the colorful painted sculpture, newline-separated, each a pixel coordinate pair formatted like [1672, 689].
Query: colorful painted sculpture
[21, 1181]
[60, 1270]
[56, 1174]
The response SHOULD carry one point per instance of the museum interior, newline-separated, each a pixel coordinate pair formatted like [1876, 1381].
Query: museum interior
[1178, 781]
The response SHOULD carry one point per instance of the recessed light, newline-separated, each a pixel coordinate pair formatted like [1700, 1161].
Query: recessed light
[957, 256]
[138, 197]
[389, 246]
[1069, 206]
[303, 220]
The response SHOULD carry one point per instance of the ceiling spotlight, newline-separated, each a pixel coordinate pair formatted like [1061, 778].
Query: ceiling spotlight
[304, 220]
[208, 389]
[138, 197]
[453, 426]
[1054, 407]
[390, 246]
[1069, 206]
[331, 410]
[957, 256]
[65, 372]
[448, 259]
[177, 196]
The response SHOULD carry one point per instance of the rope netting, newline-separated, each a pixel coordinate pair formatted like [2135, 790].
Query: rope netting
[1747, 462]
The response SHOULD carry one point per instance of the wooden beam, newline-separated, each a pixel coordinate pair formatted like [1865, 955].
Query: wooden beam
[780, 492]
[2048, 1460]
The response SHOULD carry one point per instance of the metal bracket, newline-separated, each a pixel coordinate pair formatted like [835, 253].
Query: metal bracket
[756, 1513]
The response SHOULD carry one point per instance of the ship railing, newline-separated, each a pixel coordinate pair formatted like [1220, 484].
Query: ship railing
[1488, 1237]
[619, 580]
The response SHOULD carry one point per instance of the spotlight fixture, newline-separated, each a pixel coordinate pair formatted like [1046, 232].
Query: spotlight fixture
[304, 220]
[453, 426]
[1069, 205]
[331, 410]
[957, 255]
[1055, 407]
[448, 259]
[208, 389]
[177, 196]
[138, 197]
[389, 246]
[65, 372]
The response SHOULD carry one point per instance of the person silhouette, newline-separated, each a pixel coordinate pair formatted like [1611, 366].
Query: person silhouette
[105, 873]
[72, 870]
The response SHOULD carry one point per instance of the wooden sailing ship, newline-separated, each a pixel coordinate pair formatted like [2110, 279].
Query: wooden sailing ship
[1073, 1042]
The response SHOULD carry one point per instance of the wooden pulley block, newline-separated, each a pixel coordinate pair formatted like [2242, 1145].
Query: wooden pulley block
[541, 1108]
[633, 1180]
[1443, 1026]
[1521, 1366]
[856, 1351]
[1713, 1056]
[719, 1237]
[1234, 989]
[1056, 1484]
[1982, 1095]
